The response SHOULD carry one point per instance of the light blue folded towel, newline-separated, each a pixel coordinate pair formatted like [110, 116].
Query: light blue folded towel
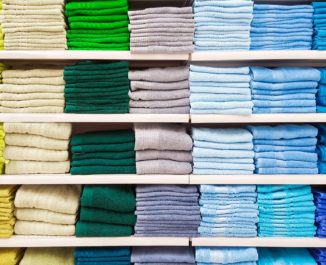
[282, 92]
[200, 20]
[208, 97]
[222, 105]
[298, 142]
[233, 189]
[219, 78]
[289, 155]
[284, 103]
[219, 219]
[206, 152]
[219, 70]
[199, 171]
[227, 232]
[271, 163]
[235, 111]
[222, 3]
[301, 96]
[224, 160]
[228, 146]
[224, 166]
[284, 85]
[230, 203]
[229, 196]
[225, 10]
[259, 110]
[232, 212]
[270, 148]
[251, 225]
[224, 84]
[245, 205]
[222, 135]
[285, 193]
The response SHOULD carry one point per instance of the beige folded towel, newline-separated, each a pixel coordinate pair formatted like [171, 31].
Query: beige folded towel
[57, 198]
[34, 154]
[33, 24]
[28, 19]
[43, 229]
[29, 7]
[33, 2]
[52, 130]
[10, 88]
[40, 215]
[32, 17]
[32, 167]
[34, 29]
[48, 256]
[28, 96]
[47, 109]
[35, 80]
[37, 141]
[25, 73]
[33, 103]
[49, 12]
[45, 40]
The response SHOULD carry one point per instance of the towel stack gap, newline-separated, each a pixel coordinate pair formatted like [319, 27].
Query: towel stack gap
[7, 219]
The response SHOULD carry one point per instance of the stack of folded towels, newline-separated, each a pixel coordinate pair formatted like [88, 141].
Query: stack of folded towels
[2, 149]
[162, 29]
[33, 90]
[34, 25]
[160, 90]
[228, 210]
[320, 218]
[282, 27]
[163, 149]
[97, 25]
[285, 149]
[11, 256]
[222, 151]
[321, 99]
[222, 25]
[319, 40]
[49, 210]
[220, 90]
[102, 256]
[37, 148]
[104, 152]
[7, 219]
[106, 211]
[319, 255]
[2, 42]
[286, 211]
[93, 87]
[284, 89]
[163, 255]
[42, 256]
[271, 256]
[167, 210]
[321, 149]
[226, 256]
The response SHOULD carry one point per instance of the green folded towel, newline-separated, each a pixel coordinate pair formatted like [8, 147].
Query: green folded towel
[117, 102]
[100, 12]
[104, 216]
[99, 25]
[103, 162]
[104, 155]
[103, 147]
[71, 32]
[96, 109]
[95, 4]
[79, 77]
[98, 18]
[97, 66]
[118, 198]
[88, 229]
[92, 170]
[97, 46]
[69, 93]
[87, 85]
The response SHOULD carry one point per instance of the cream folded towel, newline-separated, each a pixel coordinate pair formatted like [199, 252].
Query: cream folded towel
[34, 28]
[48, 109]
[40, 215]
[33, 103]
[32, 167]
[49, 12]
[28, 7]
[48, 256]
[29, 140]
[43, 229]
[28, 19]
[35, 80]
[35, 47]
[57, 198]
[10, 88]
[52, 130]
[29, 96]
[26, 73]
[34, 154]
[33, 2]
[33, 24]
[32, 17]
[20, 41]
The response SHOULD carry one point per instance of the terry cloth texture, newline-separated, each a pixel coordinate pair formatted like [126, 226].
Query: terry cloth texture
[320, 218]
[227, 256]
[106, 211]
[228, 211]
[37, 148]
[28, 90]
[285, 149]
[222, 25]
[286, 211]
[160, 90]
[37, 26]
[163, 255]
[97, 25]
[109, 256]
[319, 255]
[284, 89]
[11, 256]
[281, 27]
[96, 87]
[104, 152]
[321, 98]
[215, 90]
[319, 37]
[7, 219]
[162, 144]
[167, 210]
[42, 256]
[47, 210]
[219, 151]
[161, 29]
[268, 256]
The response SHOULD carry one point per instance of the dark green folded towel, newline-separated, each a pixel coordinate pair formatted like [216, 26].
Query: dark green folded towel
[97, 66]
[97, 85]
[103, 162]
[100, 73]
[104, 155]
[72, 93]
[88, 229]
[96, 109]
[118, 198]
[118, 102]
[104, 216]
[93, 75]
[92, 170]
[128, 146]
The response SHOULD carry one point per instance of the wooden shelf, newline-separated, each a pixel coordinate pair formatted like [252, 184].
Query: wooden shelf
[259, 118]
[92, 179]
[258, 179]
[88, 55]
[95, 118]
[62, 241]
[260, 242]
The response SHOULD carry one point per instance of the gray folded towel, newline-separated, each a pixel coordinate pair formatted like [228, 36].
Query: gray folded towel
[159, 95]
[161, 10]
[165, 49]
[149, 85]
[168, 74]
[159, 20]
[168, 15]
[171, 110]
[160, 103]
[163, 167]
[164, 30]
[185, 189]
[162, 43]
[182, 156]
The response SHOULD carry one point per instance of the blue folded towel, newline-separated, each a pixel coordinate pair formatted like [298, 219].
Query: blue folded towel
[233, 189]
[284, 103]
[289, 155]
[285, 97]
[294, 8]
[296, 142]
[258, 110]
[275, 163]
[229, 146]
[283, 85]
[220, 135]
[275, 148]
[282, 92]
[206, 152]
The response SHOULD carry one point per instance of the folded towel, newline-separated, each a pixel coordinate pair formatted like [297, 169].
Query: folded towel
[11, 256]
[41, 256]
[43, 229]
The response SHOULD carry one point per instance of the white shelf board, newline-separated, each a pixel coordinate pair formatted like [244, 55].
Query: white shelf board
[62, 241]
[258, 179]
[258, 118]
[258, 55]
[88, 55]
[100, 118]
[40, 179]
[312, 242]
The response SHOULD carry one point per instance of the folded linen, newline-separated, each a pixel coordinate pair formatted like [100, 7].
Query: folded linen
[11, 256]
[41, 256]
[42, 228]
